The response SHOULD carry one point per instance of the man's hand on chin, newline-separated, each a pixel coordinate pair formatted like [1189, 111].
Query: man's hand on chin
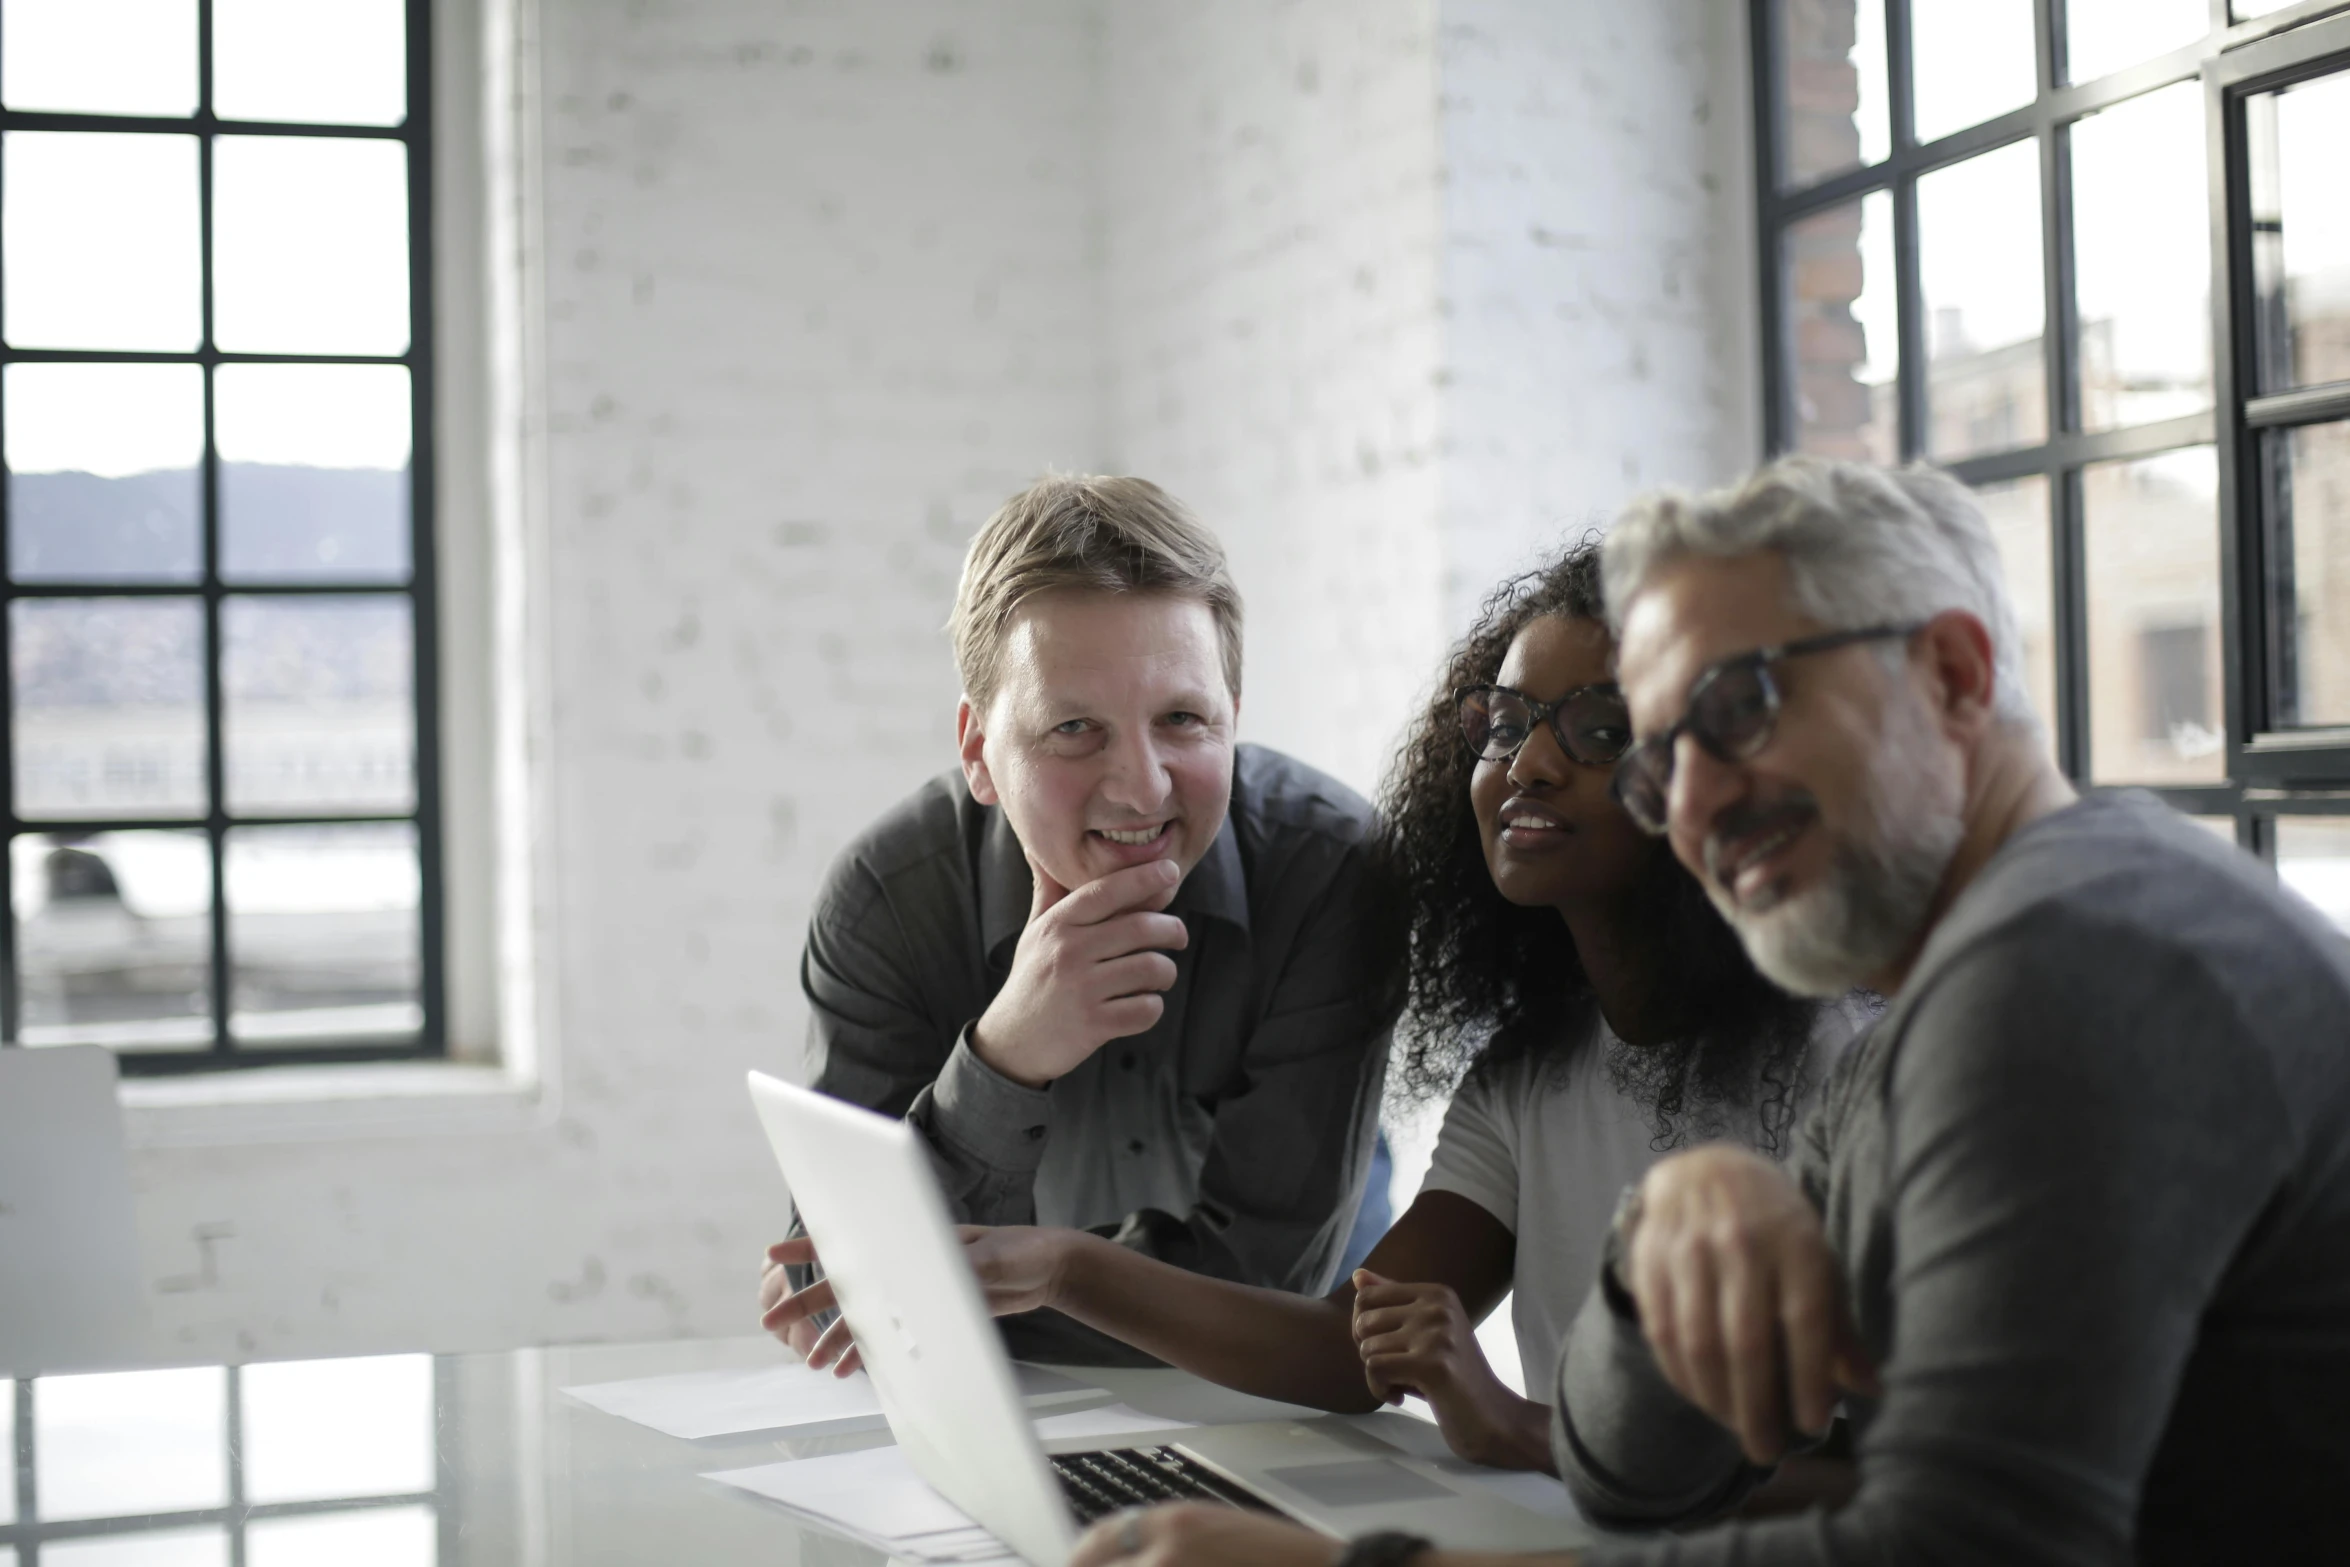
[1089, 969]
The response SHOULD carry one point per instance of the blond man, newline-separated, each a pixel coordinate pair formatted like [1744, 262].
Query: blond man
[1122, 972]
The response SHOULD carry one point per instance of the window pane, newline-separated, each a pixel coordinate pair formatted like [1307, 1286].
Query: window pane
[2313, 858]
[101, 241]
[2142, 237]
[2245, 10]
[340, 64]
[316, 1429]
[314, 472]
[99, 56]
[1841, 314]
[2018, 514]
[2217, 826]
[1979, 259]
[2152, 548]
[2307, 476]
[377, 1537]
[114, 939]
[2103, 36]
[322, 933]
[109, 707]
[1833, 86]
[104, 472]
[320, 715]
[2300, 232]
[130, 1442]
[207, 1547]
[1972, 60]
[310, 245]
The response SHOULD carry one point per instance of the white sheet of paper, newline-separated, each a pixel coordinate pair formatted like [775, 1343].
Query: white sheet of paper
[875, 1496]
[1111, 1420]
[786, 1397]
[872, 1495]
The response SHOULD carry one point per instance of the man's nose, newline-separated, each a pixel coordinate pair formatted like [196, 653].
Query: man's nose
[1137, 778]
[1702, 786]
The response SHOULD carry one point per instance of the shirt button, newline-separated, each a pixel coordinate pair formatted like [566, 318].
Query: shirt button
[1127, 1061]
[1134, 1146]
[1035, 1132]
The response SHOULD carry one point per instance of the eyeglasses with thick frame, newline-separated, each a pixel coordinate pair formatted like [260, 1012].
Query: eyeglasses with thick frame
[1593, 707]
[1733, 711]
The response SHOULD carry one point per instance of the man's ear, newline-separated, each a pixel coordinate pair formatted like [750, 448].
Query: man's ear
[971, 744]
[1961, 668]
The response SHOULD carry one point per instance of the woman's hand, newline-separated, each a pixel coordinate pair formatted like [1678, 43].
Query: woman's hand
[791, 1314]
[1416, 1338]
[1019, 1268]
[1191, 1534]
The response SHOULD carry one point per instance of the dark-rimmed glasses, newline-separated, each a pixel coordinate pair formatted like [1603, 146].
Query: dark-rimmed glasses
[1733, 711]
[1589, 722]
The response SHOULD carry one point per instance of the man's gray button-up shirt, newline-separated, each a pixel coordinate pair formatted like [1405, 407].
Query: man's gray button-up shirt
[1233, 1137]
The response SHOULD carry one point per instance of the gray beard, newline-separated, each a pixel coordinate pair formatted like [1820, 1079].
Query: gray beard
[1871, 906]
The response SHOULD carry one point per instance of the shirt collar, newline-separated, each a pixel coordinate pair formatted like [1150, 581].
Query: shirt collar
[1216, 887]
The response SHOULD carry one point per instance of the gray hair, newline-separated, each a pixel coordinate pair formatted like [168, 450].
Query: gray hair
[1862, 545]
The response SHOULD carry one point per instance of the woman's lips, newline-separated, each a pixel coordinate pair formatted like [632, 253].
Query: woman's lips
[1525, 826]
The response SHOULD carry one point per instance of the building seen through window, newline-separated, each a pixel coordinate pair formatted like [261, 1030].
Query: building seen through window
[1985, 248]
[214, 411]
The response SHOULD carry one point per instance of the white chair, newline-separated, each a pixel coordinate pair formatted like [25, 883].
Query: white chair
[71, 1293]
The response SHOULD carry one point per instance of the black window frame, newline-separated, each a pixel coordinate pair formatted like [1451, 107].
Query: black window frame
[2270, 772]
[414, 132]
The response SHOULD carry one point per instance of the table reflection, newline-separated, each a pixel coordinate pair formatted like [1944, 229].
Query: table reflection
[387, 1461]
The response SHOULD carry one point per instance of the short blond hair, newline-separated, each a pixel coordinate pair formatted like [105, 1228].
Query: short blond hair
[1103, 534]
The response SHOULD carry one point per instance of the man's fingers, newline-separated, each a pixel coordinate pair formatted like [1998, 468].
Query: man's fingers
[1147, 886]
[798, 1306]
[836, 1341]
[799, 1249]
[1382, 1319]
[1807, 1331]
[1130, 1015]
[1750, 1347]
[1853, 1368]
[1137, 932]
[1137, 974]
[1703, 1378]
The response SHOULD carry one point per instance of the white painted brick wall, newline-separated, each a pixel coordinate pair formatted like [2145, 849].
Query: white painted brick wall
[1388, 289]
[1274, 339]
[1597, 271]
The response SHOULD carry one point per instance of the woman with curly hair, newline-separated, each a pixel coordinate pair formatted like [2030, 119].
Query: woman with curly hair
[1571, 989]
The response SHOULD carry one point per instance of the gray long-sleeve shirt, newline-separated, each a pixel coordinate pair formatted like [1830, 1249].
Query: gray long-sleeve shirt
[2089, 1181]
[1232, 1139]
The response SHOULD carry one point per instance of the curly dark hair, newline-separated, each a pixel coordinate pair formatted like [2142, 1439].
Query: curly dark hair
[1492, 982]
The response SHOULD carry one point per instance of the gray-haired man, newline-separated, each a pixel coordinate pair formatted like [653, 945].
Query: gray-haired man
[2071, 1233]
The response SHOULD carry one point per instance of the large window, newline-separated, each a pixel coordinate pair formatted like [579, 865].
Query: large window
[215, 562]
[2093, 256]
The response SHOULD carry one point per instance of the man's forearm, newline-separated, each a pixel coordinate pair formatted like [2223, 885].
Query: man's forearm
[1296, 1348]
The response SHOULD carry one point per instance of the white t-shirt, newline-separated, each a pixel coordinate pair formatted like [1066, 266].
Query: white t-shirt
[1547, 1151]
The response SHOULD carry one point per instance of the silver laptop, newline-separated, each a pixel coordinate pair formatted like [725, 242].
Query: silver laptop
[865, 1190]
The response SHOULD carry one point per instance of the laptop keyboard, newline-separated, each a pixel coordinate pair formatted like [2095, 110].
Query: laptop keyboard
[1098, 1484]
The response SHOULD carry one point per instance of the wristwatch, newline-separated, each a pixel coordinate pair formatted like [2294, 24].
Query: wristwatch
[1386, 1548]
